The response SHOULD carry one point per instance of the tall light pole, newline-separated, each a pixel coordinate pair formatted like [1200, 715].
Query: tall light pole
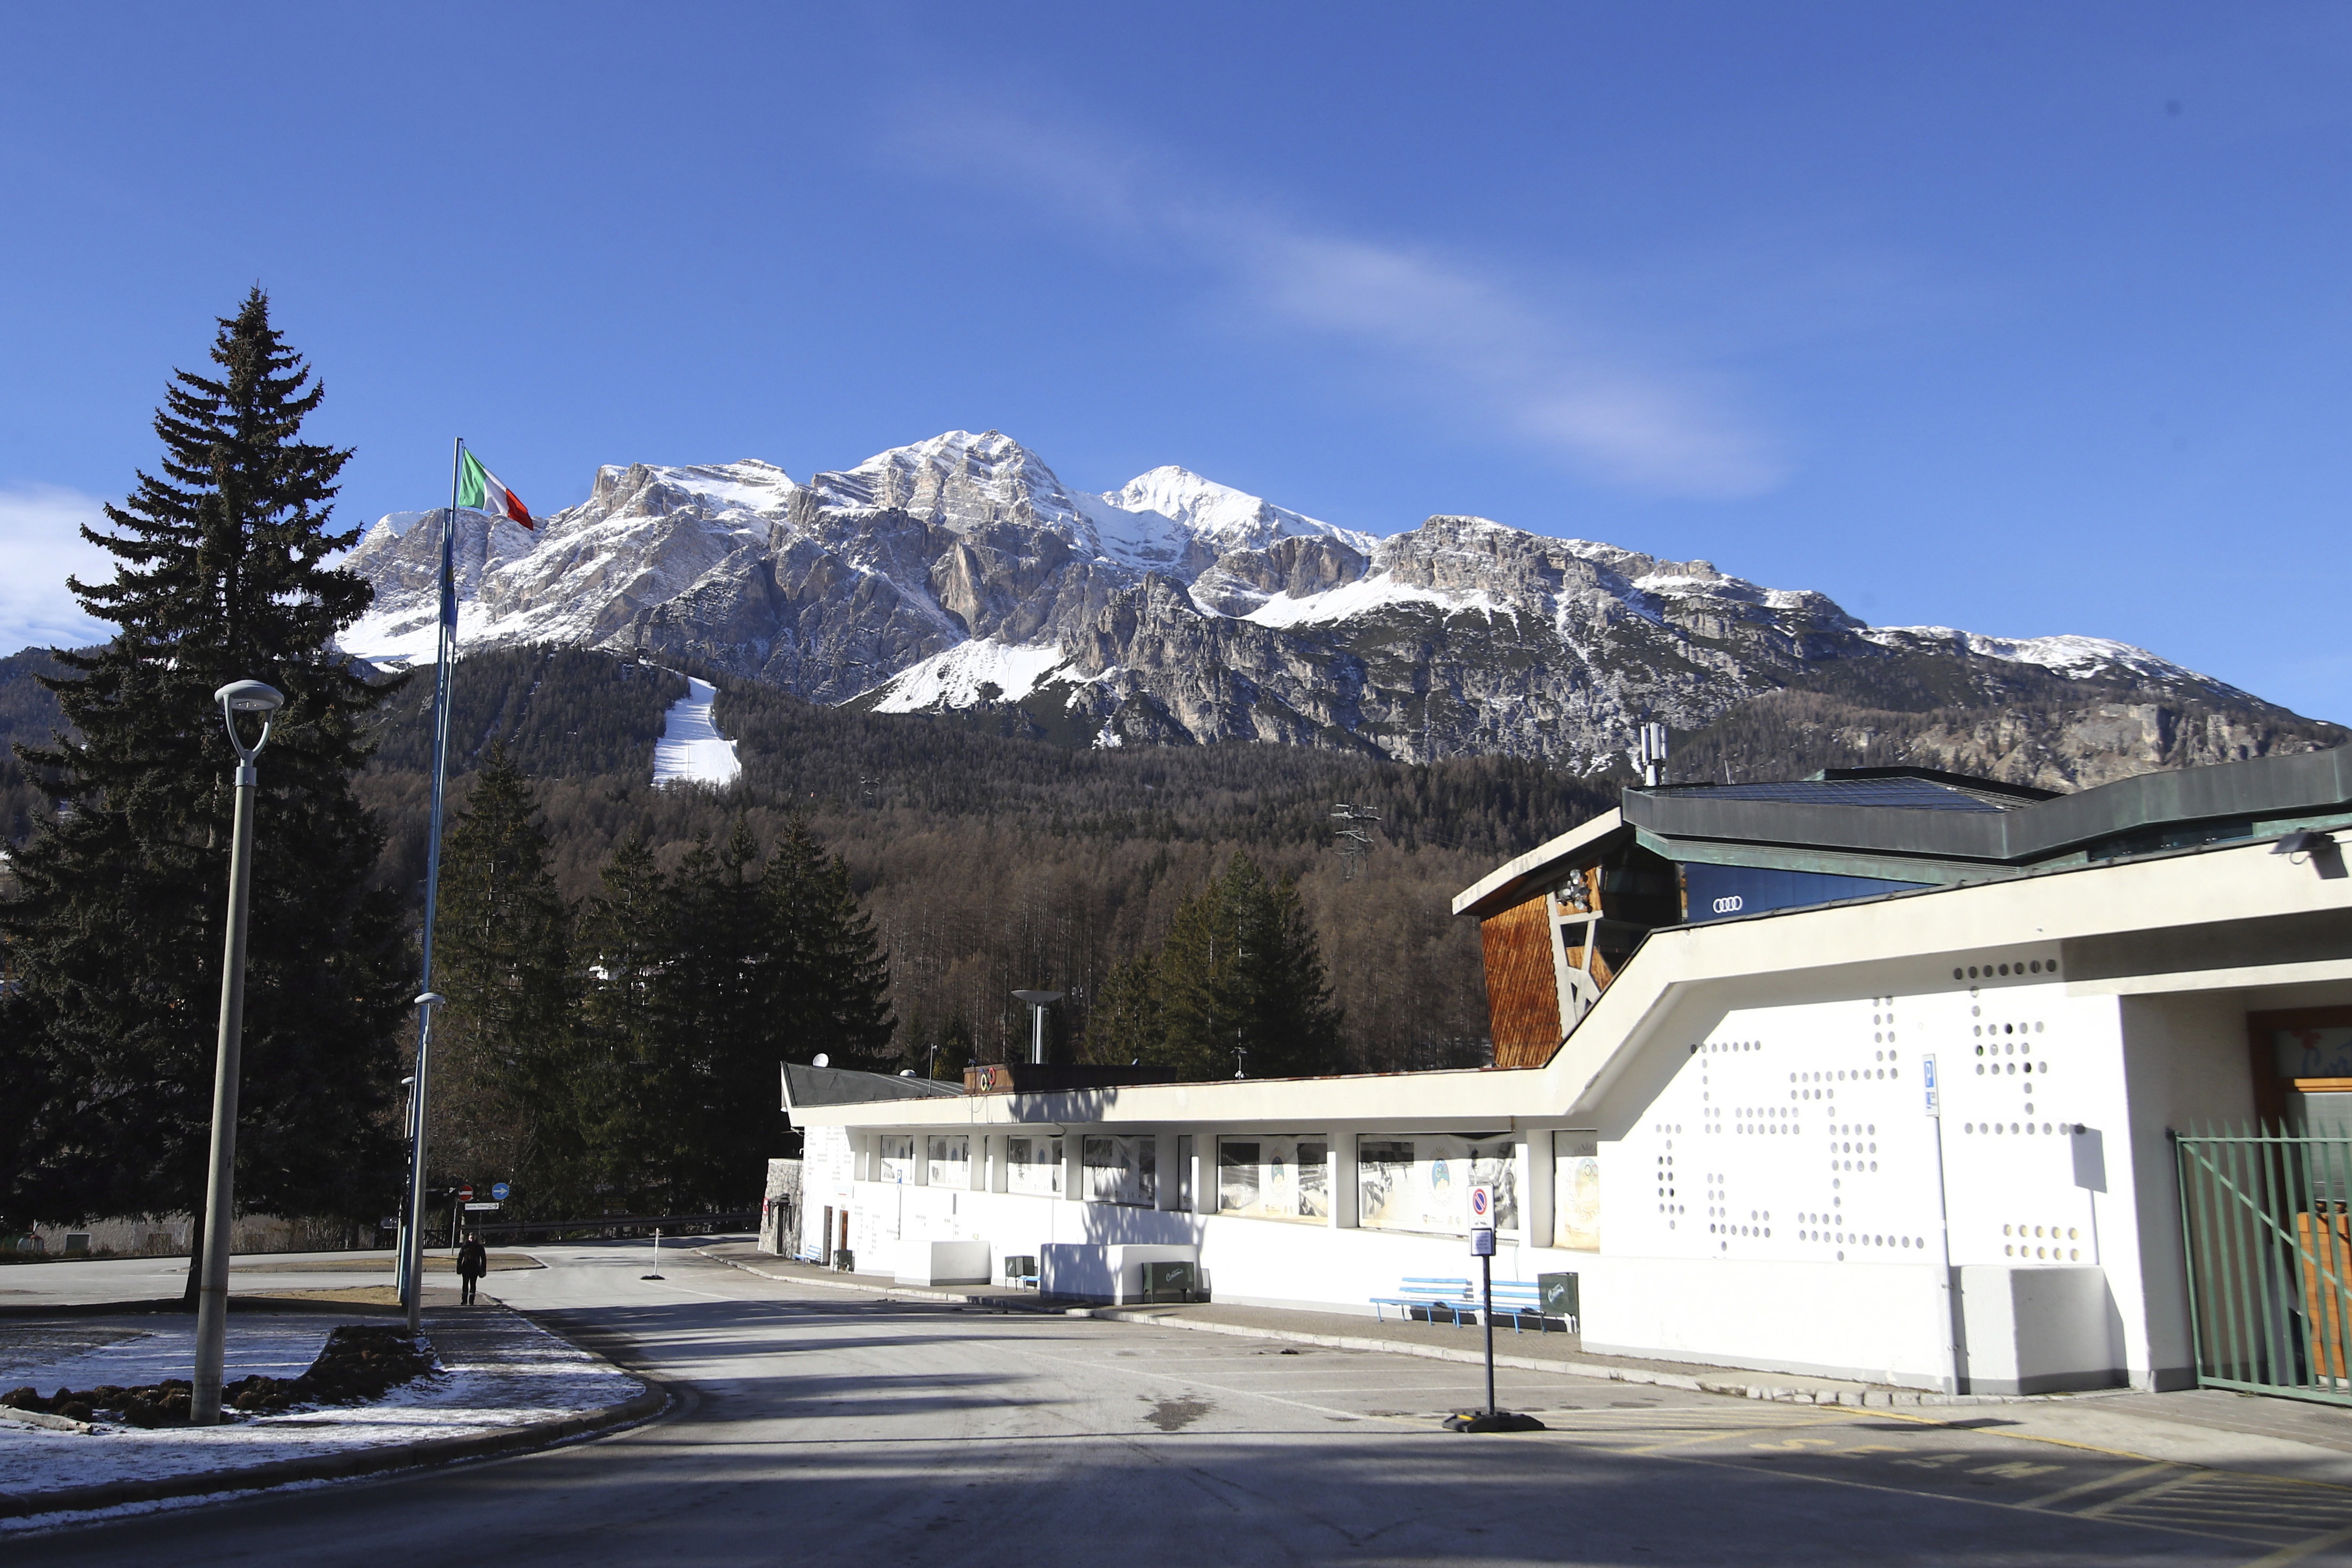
[1038, 1002]
[220, 1188]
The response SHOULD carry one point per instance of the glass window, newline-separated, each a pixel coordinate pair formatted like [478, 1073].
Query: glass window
[1422, 1183]
[1033, 1166]
[1274, 1178]
[1314, 1179]
[950, 1159]
[1120, 1170]
[1576, 1191]
[897, 1152]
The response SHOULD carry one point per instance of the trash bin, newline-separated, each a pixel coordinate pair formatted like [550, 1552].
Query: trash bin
[1559, 1294]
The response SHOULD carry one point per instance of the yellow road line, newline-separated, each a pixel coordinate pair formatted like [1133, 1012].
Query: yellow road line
[2297, 1550]
[2083, 1488]
[2100, 1509]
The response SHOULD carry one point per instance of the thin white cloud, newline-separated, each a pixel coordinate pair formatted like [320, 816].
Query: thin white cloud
[1547, 373]
[40, 546]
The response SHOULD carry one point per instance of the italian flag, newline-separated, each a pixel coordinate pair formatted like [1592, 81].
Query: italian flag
[479, 488]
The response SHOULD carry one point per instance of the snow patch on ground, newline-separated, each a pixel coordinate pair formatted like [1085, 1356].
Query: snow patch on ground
[500, 1370]
[1362, 597]
[691, 750]
[953, 678]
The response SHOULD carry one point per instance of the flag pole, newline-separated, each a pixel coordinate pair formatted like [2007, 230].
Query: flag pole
[412, 1252]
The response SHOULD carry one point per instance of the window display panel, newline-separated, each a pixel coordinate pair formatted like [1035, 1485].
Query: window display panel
[1422, 1183]
[950, 1161]
[1121, 1170]
[1576, 1191]
[1033, 1166]
[1275, 1178]
[897, 1154]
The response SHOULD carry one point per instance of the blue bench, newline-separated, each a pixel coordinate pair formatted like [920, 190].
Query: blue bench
[1449, 1296]
[1515, 1299]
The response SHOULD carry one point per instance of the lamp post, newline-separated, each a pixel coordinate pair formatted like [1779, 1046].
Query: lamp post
[1038, 1002]
[220, 1188]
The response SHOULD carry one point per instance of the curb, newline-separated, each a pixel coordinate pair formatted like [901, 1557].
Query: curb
[428, 1451]
[1027, 1302]
[1865, 1397]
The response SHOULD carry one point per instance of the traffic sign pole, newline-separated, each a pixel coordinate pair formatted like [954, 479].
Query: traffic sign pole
[1482, 1247]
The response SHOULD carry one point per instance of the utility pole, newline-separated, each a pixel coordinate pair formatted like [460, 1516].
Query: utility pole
[1352, 843]
[220, 1188]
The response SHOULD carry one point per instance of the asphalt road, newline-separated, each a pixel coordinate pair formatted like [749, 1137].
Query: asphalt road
[819, 1424]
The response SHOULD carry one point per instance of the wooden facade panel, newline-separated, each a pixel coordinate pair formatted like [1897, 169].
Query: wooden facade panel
[1522, 991]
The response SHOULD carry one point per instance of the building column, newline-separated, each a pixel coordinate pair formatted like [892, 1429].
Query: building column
[1204, 1171]
[1533, 1152]
[1074, 1164]
[977, 1152]
[999, 1162]
[1342, 1177]
[919, 1151]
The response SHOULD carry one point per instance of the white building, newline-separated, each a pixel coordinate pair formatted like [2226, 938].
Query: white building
[1921, 1135]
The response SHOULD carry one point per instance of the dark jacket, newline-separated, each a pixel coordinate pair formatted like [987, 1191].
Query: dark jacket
[473, 1261]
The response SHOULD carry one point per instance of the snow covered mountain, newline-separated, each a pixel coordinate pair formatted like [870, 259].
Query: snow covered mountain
[959, 573]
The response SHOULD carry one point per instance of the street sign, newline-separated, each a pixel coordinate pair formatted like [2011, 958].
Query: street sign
[1482, 1208]
[391, 1221]
[466, 1193]
[498, 1190]
[1482, 1244]
[1934, 1095]
[477, 1208]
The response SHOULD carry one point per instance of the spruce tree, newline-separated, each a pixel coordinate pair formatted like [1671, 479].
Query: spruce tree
[501, 1104]
[221, 574]
[625, 944]
[832, 976]
[1242, 970]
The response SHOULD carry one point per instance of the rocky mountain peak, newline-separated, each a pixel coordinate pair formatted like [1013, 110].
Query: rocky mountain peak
[959, 573]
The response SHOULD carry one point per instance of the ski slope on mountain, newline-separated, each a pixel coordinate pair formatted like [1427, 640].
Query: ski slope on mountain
[691, 750]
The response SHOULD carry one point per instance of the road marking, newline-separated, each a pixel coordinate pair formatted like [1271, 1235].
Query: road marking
[2083, 1488]
[2100, 1511]
[2298, 1550]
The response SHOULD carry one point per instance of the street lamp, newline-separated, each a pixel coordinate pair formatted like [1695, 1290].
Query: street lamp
[1038, 1002]
[220, 1187]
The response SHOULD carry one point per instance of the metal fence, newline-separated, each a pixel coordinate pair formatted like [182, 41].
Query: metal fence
[2262, 1217]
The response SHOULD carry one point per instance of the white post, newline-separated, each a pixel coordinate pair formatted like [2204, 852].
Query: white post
[1343, 1181]
[1536, 1165]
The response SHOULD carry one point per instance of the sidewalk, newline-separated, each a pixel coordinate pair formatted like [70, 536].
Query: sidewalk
[506, 1383]
[2213, 1428]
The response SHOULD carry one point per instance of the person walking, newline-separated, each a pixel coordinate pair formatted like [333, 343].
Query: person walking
[473, 1262]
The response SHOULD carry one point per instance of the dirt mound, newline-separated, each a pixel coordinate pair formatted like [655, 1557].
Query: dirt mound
[360, 1362]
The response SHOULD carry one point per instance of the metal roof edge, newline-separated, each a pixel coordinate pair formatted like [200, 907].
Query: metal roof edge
[1497, 888]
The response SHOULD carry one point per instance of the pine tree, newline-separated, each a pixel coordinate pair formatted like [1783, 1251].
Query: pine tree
[501, 1105]
[1241, 969]
[833, 977]
[625, 944]
[221, 574]
[1124, 1025]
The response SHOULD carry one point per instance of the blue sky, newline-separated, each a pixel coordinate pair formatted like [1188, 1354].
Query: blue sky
[2026, 319]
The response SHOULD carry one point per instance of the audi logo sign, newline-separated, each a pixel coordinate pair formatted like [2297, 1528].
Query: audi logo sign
[1729, 905]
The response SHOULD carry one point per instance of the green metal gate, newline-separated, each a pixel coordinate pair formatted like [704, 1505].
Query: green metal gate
[2270, 1260]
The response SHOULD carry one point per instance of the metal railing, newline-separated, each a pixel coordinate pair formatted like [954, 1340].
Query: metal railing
[2263, 1222]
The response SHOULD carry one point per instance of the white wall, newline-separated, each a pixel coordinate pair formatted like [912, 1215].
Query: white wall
[2185, 1059]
